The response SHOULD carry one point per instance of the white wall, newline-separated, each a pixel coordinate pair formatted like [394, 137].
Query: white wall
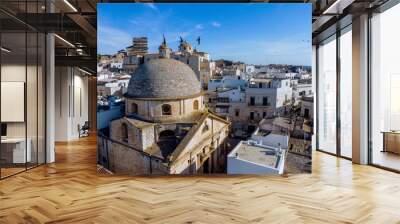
[234, 95]
[71, 103]
[238, 166]
[33, 125]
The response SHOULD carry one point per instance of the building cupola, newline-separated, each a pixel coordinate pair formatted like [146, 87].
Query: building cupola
[164, 50]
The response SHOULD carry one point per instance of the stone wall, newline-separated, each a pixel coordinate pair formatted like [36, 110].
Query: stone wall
[207, 142]
[139, 138]
[152, 109]
[127, 161]
[148, 138]
[121, 159]
[299, 145]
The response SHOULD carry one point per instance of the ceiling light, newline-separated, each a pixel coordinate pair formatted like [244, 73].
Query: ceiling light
[337, 7]
[5, 50]
[86, 72]
[70, 5]
[64, 40]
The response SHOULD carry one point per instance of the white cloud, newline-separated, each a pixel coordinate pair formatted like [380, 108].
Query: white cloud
[216, 24]
[152, 6]
[199, 27]
[113, 39]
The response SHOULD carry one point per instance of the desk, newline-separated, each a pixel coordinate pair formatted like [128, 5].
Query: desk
[391, 141]
[13, 150]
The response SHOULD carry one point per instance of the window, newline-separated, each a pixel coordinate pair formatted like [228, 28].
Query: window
[346, 93]
[166, 109]
[251, 115]
[306, 113]
[385, 89]
[237, 111]
[264, 114]
[134, 108]
[260, 85]
[196, 105]
[265, 101]
[327, 95]
[205, 128]
[252, 100]
[222, 110]
[124, 132]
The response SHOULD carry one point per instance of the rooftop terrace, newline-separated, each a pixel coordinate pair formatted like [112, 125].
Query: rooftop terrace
[261, 155]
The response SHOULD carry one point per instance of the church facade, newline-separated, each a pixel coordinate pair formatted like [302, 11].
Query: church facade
[167, 128]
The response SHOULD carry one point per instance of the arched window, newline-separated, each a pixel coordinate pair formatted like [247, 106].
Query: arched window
[166, 109]
[196, 105]
[124, 132]
[134, 108]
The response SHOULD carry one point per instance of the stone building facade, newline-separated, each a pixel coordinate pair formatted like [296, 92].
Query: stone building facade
[167, 128]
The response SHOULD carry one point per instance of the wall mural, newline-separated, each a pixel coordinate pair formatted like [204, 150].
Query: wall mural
[185, 89]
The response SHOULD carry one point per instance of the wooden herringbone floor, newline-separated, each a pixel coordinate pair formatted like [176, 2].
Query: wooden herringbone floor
[71, 191]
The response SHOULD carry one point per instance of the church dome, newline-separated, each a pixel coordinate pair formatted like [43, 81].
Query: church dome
[163, 78]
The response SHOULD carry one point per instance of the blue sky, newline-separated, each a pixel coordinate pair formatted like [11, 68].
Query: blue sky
[257, 33]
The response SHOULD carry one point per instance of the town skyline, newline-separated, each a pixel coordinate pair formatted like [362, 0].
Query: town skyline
[288, 44]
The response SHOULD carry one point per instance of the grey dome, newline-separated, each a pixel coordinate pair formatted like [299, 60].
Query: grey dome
[163, 78]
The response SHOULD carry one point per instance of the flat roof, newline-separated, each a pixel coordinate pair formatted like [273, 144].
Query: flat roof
[264, 156]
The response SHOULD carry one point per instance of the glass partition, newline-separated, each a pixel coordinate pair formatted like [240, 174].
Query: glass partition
[22, 88]
[385, 89]
[327, 96]
[346, 92]
[13, 94]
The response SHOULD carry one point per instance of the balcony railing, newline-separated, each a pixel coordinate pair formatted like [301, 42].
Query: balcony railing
[259, 104]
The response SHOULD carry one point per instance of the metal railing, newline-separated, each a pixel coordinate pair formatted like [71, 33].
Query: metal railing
[259, 104]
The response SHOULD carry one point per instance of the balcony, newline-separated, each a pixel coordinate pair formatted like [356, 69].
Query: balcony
[259, 104]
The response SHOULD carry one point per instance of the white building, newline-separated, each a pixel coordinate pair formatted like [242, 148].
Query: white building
[267, 98]
[287, 75]
[248, 157]
[117, 65]
[270, 139]
[111, 86]
[229, 101]
[231, 72]
[303, 75]
[236, 95]
[103, 75]
[108, 88]
[227, 82]
[307, 107]
[250, 69]
[302, 87]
